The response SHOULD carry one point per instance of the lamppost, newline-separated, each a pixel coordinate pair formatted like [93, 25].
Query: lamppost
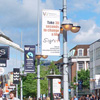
[38, 56]
[66, 26]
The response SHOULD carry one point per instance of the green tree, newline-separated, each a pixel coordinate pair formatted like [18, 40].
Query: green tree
[52, 68]
[84, 75]
[45, 70]
[30, 83]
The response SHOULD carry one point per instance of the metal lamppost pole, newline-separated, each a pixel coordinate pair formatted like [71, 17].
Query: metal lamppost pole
[38, 56]
[38, 60]
[21, 82]
[65, 67]
[38, 80]
[77, 76]
[66, 26]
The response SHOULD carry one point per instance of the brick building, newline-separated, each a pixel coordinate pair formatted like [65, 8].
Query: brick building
[78, 58]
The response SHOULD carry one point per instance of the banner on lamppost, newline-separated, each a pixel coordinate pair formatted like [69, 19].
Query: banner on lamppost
[29, 58]
[4, 52]
[50, 32]
[16, 76]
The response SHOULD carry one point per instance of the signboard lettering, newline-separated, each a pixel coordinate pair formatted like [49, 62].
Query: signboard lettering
[50, 32]
[4, 52]
[16, 72]
[3, 63]
[29, 58]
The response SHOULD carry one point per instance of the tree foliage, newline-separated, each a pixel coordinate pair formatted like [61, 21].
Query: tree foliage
[84, 76]
[30, 83]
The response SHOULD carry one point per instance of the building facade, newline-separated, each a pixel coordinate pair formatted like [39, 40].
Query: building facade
[78, 58]
[95, 67]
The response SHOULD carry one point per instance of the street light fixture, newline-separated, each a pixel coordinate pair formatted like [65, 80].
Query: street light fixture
[61, 30]
[75, 28]
[66, 25]
[44, 56]
[41, 56]
[38, 56]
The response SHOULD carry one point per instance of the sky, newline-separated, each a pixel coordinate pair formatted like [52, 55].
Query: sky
[20, 17]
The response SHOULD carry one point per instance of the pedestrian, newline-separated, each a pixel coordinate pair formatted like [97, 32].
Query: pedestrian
[12, 96]
[82, 98]
[72, 98]
[75, 98]
[87, 97]
[93, 97]
[1, 93]
[48, 98]
[98, 97]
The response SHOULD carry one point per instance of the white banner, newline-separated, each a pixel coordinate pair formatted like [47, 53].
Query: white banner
[56, 86]
[50, 32]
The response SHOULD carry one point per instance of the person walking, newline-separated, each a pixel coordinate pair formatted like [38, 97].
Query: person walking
[12, 96]
[75, 98]
[1, 93]
[87, 97]
[93, 97]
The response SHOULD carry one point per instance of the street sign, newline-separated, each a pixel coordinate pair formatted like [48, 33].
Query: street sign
[4, 52]
[16, 75]
[29, 58]
[3, 63]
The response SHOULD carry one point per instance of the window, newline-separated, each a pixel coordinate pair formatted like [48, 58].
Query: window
[80, 52]
[97, 70]
[98, 53]
[88, 65]
[80, 65]
[88, 52]
[91, 56]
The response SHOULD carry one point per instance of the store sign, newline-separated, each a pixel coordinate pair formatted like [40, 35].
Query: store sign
[57, 88]
[29, 58]
[4, 52]
[50, 32]
[56, 85]
[3, 63]
[16, 73]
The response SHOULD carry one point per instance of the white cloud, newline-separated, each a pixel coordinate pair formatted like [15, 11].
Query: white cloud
[89, 5]
[81, 4]
[89, 32]
[16, 14]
